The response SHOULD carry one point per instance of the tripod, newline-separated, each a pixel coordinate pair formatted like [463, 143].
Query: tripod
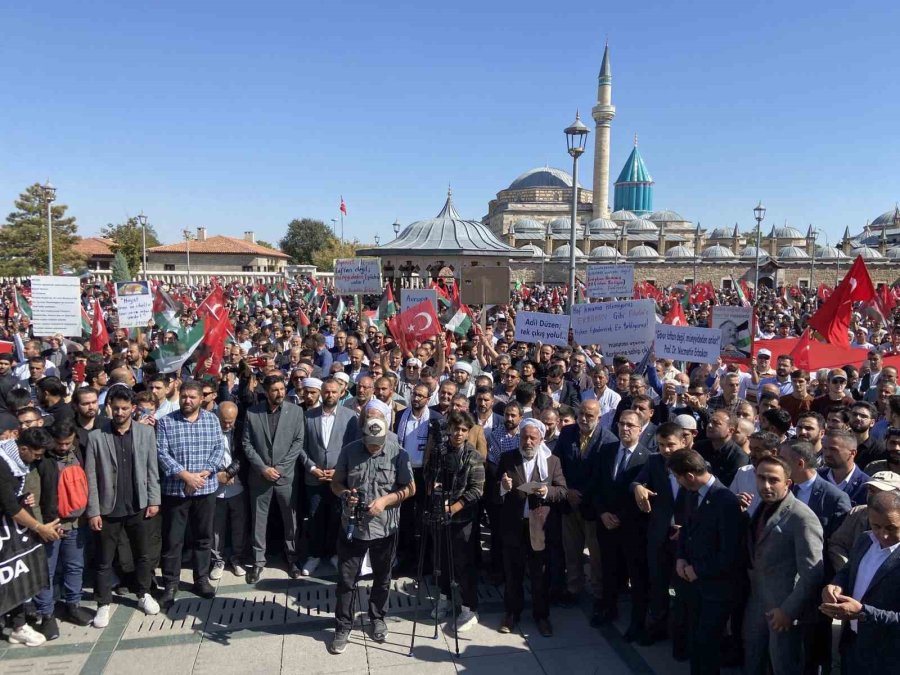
[435, 526]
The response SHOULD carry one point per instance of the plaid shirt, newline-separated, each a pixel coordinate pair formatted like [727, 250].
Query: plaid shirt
[189, 446]
[502, 442]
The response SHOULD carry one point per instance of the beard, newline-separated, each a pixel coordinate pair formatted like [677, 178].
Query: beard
[528, 454]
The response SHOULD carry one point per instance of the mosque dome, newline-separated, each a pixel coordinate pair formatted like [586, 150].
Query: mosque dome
[606, 253]
[542, 176]
[563, 226]
[622, 216]
[643, 252]
[679, 252]
[721, 233]
[792, 253]
[894, 253]
[867, 253]
[829, 253]
[750, 252]
[563, 253]
[532, 250]
[602, 225]
[667, 216]
[788, 232]
[528, 226]
[717, 253]
[641, 225]
[887, 218]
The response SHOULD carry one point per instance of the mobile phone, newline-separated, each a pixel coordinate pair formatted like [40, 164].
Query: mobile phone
[680, 389]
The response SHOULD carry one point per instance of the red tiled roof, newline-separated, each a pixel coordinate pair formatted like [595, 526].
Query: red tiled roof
[222, 245]
[94, 246]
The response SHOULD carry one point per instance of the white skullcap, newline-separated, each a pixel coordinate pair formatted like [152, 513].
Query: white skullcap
[312, 383]
[375, 404]
[532, 422]
[462, 365]
[413, 361]
[343, 377]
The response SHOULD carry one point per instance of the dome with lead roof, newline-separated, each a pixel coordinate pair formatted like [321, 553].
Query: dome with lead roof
[606, 253]
[542, 176]
[792, 253]
[563, 253]
[679, 252]
[643, 252]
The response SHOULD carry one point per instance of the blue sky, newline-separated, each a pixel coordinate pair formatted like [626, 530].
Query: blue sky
[241, 116]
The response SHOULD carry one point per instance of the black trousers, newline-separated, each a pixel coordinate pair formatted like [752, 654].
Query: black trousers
[518, 554]
[706, 619]
[350, 557]
[492, 508]
[464, 571]
[136, 531]
[661, 570]
[323, 508]
[623, 555]
[411, 513]
[177, 512]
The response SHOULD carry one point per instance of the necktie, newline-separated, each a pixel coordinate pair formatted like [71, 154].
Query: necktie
[620, 467]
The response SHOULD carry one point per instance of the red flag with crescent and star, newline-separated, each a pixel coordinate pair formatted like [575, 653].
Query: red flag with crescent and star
[832, 320]
[414, 325]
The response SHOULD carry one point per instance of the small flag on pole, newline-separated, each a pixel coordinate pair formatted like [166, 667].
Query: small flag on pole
[343, 206]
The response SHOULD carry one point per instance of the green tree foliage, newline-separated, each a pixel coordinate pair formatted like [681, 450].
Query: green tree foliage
[127, 239]
[120, 269]
[23, 239]
[262, 242]
[324, 258]
[304, 238]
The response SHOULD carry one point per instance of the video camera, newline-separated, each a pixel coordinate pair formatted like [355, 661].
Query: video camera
[356, 514]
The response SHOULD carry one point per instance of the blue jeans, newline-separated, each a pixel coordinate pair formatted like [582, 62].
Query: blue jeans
[68, 554]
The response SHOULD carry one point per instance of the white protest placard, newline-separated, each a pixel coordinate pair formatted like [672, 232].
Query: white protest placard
[410, 297]
[56, 305]
[736, 324]
[686, 343]
[548, 329]
[134, 303]
[624, 328]
[357, 276]
[610, 281]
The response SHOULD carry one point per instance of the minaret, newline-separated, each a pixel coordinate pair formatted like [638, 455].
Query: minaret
[603, 114]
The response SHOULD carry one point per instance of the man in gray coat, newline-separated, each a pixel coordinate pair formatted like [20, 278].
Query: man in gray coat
[329, 427]
[785, 546]
[273, 440]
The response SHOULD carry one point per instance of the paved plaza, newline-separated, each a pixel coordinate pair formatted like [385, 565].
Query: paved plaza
[283, 626]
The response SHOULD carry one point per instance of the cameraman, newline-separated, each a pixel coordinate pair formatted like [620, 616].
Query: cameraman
[377, 470]
[456, 468]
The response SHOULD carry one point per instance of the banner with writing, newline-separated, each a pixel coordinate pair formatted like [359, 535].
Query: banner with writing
[134, 303]
[686, 343]
[23, 564]
[56, 305]
[548, 329]
[413, 296]
[610, 281]
[624, 328]
[358, 276]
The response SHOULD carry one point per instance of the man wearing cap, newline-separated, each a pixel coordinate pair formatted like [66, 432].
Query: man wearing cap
[857, 521]
[409, 378]
[273, 440]
[835, 393]
[375, 472]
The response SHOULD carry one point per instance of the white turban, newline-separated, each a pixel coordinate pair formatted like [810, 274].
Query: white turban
[312, 383]
[375, 404]
[462, 365]
[543, 452]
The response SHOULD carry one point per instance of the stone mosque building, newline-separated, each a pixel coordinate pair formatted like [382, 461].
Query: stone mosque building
[528, 227]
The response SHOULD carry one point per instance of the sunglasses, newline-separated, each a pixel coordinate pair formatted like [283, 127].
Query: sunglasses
[838, 380]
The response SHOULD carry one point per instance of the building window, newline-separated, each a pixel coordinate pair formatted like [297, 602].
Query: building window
[803, 283]
[168, 267]
[247, 268]
[103, 265]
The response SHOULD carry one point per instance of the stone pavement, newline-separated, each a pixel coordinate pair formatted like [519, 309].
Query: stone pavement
[283, 626]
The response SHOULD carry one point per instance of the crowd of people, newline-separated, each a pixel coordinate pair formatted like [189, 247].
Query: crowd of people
[740, 508]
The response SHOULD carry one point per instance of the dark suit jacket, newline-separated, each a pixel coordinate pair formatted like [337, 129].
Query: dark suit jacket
[513, 502]
[725, 461]
[579, 470]
[877, 648]
[830, 504]
[648, 437]
[663, 507]
[613, 495]
[570, 394]
[855, 489]
[711, 541]
[281, 451]
[315, 453]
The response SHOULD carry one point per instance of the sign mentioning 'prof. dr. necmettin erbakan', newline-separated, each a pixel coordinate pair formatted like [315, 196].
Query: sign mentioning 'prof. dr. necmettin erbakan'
[610, 281]
[357, 276]
[620, 328]
[548, 329]
[686, 343]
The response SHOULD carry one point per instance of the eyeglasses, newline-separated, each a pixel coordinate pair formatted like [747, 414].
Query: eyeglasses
[838, 380]
[208, 393]
[626, 425]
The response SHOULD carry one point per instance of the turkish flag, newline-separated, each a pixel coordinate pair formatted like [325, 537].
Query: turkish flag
[303, 319]
[676, 316]
[832, 320]
[414, 325]
[212, 309]
[824, 292]
[212, 350]
[99, 335]
[343, 207]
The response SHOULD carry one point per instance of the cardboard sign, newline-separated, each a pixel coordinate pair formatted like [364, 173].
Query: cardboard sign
[610, 281]
[357, 276]
[134, 303]
[413, 296]
[736, 326]
[686, 343]
[624, 328]
[56, 305]
[548, 329]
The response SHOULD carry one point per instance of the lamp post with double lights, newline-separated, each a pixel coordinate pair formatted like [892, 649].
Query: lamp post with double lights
[576, 137]
[142, 221]
[49, 197]
[759, 212]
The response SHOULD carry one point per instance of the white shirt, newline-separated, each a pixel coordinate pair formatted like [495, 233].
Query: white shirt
[869, 565]
[327, 426]
[843, 483]
[488, 424]
[804, 490]
[409, 434]
[745, 481]
[21, 371]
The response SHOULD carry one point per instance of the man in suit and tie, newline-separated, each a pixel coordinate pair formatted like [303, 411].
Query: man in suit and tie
[576, 448]
[643, 406]
[839, 454]
[273, 440]
[709, 555]
[786, 548]
[621, 531]
[865, 594]
[656, 491]
[329, 428]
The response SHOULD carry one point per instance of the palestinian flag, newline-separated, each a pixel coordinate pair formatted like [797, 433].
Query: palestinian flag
[302, 319]
[341, 308]
[23, 307]
[86, 324]
[241, 304]
[740, 293]
[314, 293]
[170, 358]
[461, 322]
[165, 311]
[388, 306]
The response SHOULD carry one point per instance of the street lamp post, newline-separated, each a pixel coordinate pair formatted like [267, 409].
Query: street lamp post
[334, 226]
[377, 240]
[812, 258]
[187, 250]
[696, 254]
[49, 197]
[397, 227]
[142, 221]
[759, 212]
[576, 137]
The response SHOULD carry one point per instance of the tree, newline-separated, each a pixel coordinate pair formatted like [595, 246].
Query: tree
[324, 258]
[262, 242]
[127, 238]
[120, 269]
[23, 240]
[304, 237]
